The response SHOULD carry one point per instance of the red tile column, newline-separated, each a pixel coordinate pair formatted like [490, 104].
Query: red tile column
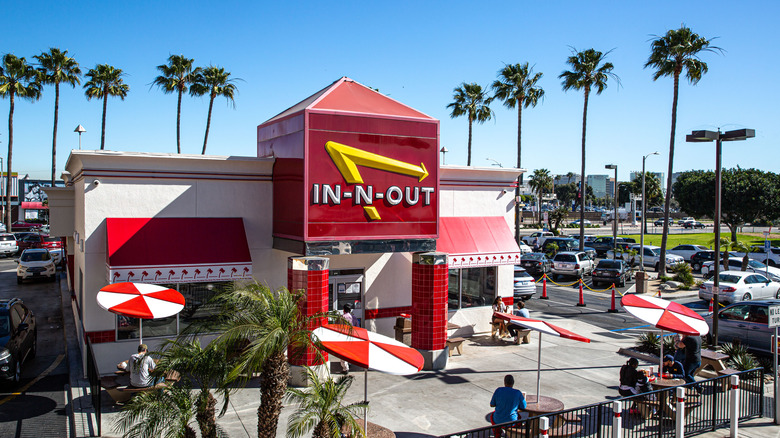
[429, 307]
[310, 275]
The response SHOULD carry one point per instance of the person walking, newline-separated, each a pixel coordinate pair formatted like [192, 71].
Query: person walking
[350, 319]
[692, 358]
[507, 402]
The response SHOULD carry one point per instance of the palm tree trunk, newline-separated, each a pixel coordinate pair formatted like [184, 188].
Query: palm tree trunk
[206, 416]
[274, 375]
[668, 198]
[520, 177]
[208, 124]
[321, 430]
[54, 135]
[8, 162]
[468, 160]
[178, 125]
[189, 432]
[582, 171]
[103, 128]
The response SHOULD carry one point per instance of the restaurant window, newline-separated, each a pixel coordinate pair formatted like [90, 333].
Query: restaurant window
[471, 287]
[197, 307]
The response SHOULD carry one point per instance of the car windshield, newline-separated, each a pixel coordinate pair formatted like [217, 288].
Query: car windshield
[37, 256]
[51, 239]
[652, 251]
[5, 327]
[756, 265]
[522, 274]
[6, 238]
[608, 264]
[533, 256]
[727, 278]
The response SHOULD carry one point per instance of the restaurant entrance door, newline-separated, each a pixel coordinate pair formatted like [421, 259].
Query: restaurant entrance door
[346, 287]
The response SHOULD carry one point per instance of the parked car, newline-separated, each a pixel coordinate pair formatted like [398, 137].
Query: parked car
[686, 251]
[746, 323]
[572, 263]
[685, 219]
[604, 244]
[540, 235]
[577, 222]
[29, 240]
[536, 263]
[525, 285]
[652, 256]
[693, 224]
[8, 245]
[524, 249]
[735, 264]
[35, 263]
[563, 244]
[24, 226]
[698, 258]
[758, 253]
[34, 240]
[611, 272]
[18, 338]
[660, 222]
[3, 229]
[740, 286]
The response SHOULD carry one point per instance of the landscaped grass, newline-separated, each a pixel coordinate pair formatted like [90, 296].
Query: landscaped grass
[698, 239]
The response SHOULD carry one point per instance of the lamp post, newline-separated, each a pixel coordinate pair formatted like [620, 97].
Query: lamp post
[644, 220]
[615, 216]
[718, 137]
[80, 129]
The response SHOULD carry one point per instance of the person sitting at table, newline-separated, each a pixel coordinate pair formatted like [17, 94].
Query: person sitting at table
[499, 306]
[507, 402]
[633, 381]
[140, 366]
[513, 329]
[673, 368]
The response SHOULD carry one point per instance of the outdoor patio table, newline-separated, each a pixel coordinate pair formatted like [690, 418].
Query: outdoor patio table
[712, 359]
[666, 383]
[544, 405]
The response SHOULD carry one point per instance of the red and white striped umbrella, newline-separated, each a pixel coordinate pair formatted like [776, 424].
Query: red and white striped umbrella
[140, 300]
[368, 349]
[543, 327]
[666, 315]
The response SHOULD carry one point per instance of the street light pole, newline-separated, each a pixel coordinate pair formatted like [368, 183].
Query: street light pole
[80, 129]
[615, 217]
[719, 137]
[644, 220]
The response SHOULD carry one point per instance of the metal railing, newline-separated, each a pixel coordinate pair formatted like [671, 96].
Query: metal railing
[649, 415]
[93, 375]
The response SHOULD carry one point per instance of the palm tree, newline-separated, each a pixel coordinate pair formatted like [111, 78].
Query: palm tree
[541, 182]
[57, 67]
[742, 247]
[203, 368]
[320, 408]
[516, 86]
[176, 76]
[588, 70]
[105, 80]
[17, 79]
[261, 324]
[670, 54]
[470, 100]
[160, 413]
[215, 82]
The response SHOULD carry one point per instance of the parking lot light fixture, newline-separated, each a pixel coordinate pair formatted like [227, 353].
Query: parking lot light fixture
[644, 220]
[718, 137]
[615, 213]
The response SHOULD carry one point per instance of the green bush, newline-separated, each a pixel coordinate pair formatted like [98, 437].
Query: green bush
[683, 274]
[743, 361]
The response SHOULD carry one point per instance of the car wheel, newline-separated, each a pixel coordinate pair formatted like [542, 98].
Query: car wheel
[777, 295]
[696, 267]
[746, 297]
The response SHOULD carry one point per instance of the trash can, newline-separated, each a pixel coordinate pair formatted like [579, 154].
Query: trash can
[403, 330]
[641, 282]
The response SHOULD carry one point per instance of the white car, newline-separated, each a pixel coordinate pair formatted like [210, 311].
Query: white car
[740, 286]
[525, 249]
[541, 235]
[8, 245]
[686, 219]
[652, 257]
[525, 285]
[686, 251]
[735, 264]
[57, 254]
[35, 263]
[758, 253]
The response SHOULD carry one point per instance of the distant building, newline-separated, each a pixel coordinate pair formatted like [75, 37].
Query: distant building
[599, 185]
[610, 187]
[565, 179]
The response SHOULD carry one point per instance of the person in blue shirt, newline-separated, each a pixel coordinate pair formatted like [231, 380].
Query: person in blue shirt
[507, 401]
[673, 368]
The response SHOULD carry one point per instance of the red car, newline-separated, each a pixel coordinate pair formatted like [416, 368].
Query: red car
[39, 241]
[24, 226]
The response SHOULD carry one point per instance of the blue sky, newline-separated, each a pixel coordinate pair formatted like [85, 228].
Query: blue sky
[417, 53]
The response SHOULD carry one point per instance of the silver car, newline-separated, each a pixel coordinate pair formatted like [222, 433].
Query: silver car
[8, 245]
[740, 286]
[525, 285]
[572, 263]
[747, 323]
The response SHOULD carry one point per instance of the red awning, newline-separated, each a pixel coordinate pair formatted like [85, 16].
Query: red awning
[477, 241]
[177, 250]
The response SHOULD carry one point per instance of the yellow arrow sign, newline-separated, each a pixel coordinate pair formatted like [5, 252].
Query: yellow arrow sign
[348, 158]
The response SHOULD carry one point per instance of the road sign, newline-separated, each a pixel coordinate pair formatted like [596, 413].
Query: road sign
[766, 245]
[774, 316]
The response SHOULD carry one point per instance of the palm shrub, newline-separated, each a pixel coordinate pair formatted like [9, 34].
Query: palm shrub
[163, 413]
[649, 342]
[320, 408]
[743, 361]
[683, 274]
[733, 348]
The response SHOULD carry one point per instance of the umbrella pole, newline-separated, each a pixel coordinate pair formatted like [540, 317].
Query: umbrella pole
[661, 366]
[140, 331]
[365, 399]
[539, 370]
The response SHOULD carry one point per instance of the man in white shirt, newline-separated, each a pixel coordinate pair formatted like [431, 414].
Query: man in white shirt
[140, 366]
